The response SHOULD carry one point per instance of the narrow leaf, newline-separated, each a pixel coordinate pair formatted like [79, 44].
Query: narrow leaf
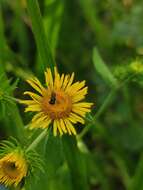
[39, 34]
[76, 163]
[102, 69]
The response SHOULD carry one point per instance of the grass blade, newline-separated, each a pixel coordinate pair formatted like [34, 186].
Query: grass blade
[39, 34]
[52, 21]
[102, 69]
[76, 163]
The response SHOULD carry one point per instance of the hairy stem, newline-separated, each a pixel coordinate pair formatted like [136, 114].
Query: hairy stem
[34, 144]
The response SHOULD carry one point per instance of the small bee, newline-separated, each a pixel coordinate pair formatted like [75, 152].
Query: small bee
[53, 98]
[12, 166]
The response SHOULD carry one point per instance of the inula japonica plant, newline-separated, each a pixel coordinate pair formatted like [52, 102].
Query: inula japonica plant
[71, 95]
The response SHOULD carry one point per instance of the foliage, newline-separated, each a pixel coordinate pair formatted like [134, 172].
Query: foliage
[102, 42]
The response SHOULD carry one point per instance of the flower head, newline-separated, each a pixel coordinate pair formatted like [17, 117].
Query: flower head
[13, 162]
[18, 164]
[58, 103]
[13, 168]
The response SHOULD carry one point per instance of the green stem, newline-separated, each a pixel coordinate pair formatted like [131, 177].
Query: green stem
[34, 144]
[104, 106]
[111, 96]
[76, 163]
[84, 131]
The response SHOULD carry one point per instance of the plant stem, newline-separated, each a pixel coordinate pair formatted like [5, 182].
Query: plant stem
[34, 144]
[84, 131]
[105, 104]
[111, 96]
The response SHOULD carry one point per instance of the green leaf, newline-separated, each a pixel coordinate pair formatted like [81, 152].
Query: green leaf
[53, 11]
[76, 162]
[102, 69]
[44, 49]
[52, 19]
[100, 29]
[56, 170]
[13, 122]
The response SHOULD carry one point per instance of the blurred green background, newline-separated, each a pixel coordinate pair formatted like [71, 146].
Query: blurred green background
[99, 41]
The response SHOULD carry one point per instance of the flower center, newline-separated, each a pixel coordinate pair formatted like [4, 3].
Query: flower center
[10, 169]
[57, 104]
[53, 98]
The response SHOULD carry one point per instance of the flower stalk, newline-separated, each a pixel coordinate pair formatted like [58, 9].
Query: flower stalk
[34, 144]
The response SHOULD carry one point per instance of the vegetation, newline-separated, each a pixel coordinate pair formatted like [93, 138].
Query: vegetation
[102, 43]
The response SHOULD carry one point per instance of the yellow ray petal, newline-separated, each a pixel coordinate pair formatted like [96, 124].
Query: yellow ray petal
[40, 120]
[49, 78]
[70, 81]
[36, 86]
[78, 98]
[72, 120]
[79, 112]
[55, 127]
[68, 129]
[59, 127]
[34, 96]
[35, 117]
[80, 95]
[83, 104]
[33, 108]
[65, 82]
[77, 118]
[83, 91]
[57, 79]
[46, 124]
[81, 109]
[61, 80]
[27, 102]
[38, 83]
[62, 124]
[70, 126]
[74, 88]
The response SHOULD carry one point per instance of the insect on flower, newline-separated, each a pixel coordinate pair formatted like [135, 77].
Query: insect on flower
[60, 102]
[53, 98]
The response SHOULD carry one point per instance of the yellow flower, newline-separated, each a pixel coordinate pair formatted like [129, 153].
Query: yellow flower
[58, 103]
[13, 168]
